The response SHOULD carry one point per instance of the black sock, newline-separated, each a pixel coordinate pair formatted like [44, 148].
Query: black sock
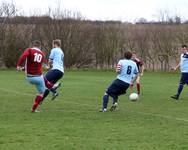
[180, 88]
[105, 101]
[46, 92]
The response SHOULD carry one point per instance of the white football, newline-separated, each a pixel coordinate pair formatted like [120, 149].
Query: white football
[133, 96]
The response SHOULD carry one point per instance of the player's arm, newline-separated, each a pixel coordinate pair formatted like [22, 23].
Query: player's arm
[134, 78]
[45, 61]
[176, 67]
[142, 70]
[135, 74]
[50, 60]
[118, 67]
[22, 59]
[49, 64]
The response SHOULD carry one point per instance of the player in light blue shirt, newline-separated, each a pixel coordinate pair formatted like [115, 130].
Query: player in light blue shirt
[127, 72]
[56, 61]
[184, 71]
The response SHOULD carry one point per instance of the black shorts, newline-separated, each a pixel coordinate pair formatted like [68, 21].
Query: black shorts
[184, 78]
[117, 88]
[54, 75]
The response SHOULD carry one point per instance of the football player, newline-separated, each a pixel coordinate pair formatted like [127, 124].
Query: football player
[141, 72]
[127, 72]
[56, 61]
[33, 58]
[184, 71]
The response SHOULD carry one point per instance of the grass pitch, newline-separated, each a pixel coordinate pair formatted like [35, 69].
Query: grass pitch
[72, 121]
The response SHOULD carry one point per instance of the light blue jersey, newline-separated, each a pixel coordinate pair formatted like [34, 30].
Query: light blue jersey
[184, 63]
[57, 57]
[128, 70]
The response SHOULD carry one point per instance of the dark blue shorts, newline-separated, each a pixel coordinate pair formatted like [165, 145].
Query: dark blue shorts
[184, 78]
[54, 75]
[117, 88]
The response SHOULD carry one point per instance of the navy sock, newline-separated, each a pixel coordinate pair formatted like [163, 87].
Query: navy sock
[53, 90]
[180, 88]
[115, 99]
[105, 101]
[46, 92]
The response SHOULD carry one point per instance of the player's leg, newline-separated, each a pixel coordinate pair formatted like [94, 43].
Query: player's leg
[40, 85]
[38, 99]
[46, 92]
[57, 75]
[50, 87]
[51, 78]
[41, 88]
[138, 84]
[48, 84]
[115, 102]
[51, 84]
[180, 87]
[113, 91]
[105, 102]
[108, 92]
[121, 88]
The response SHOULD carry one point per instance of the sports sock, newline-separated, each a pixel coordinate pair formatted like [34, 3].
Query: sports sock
[46, 92]
[138, 88]
[51, 86]
[53, 90]
[180, 88]
[55, 86]
[36, 103]
[105, 101]
[48, 84]
[115, 99]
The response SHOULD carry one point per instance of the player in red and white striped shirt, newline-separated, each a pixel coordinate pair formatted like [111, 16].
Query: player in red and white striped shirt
[141, 72]
[33, 58]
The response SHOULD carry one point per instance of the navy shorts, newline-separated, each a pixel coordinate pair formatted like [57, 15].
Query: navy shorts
[117, 88]
[184, 78]
[54, 75]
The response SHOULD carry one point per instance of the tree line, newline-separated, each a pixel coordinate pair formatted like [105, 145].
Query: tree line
[90, 44]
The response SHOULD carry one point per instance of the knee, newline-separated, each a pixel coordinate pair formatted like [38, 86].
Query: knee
[114, 97]
[106, 94]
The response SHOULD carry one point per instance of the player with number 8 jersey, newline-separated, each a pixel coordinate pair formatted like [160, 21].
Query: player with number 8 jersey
[127, 72]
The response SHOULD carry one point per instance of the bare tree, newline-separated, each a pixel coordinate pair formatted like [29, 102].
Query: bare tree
[7, 10]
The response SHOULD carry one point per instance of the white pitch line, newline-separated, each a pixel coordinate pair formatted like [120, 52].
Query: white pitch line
[138, 112]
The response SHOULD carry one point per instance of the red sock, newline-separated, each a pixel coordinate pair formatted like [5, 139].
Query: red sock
[48, 84]
[138, 87]
[36, 103]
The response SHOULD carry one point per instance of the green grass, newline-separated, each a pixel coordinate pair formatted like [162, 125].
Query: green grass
[72, 122]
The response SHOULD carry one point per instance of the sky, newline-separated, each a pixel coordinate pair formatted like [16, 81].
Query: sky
[124, 10]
